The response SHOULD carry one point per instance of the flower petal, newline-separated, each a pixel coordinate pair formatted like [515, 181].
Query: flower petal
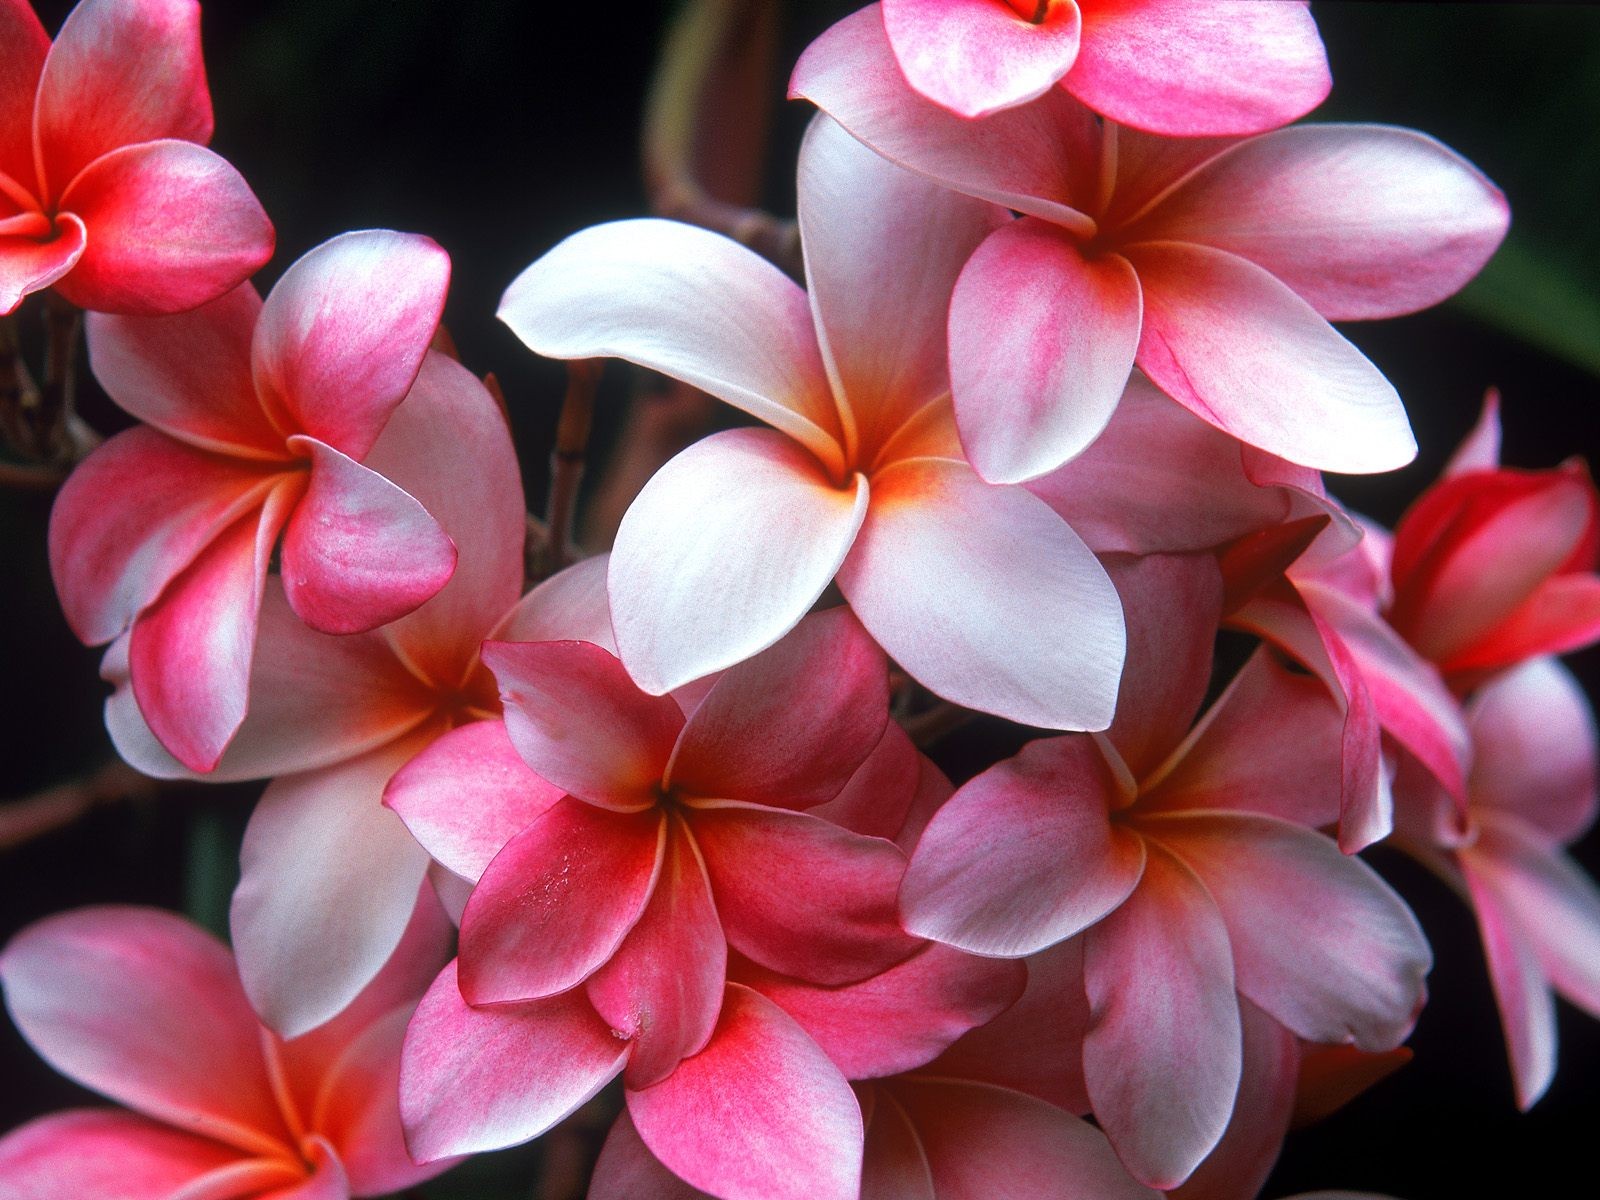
[862, 220]
[626, 1168]
[26, 45]
[146, 1008]
[1361, 221]
[557, 902]
[571, 605]
[476, 1079]
[893, 794]
[691, 304]
[1238, 348]
[1042, 341]
[1038, 159]
[723, 552]
[800, 895]
[1162, 1054]
[358, 552]
[580, 722]
[189, 374]
[120, 72]
[1024, 855]
[1195, 67]
[29, 265]
[170, 226]
[1319, 941]
[329, 882]
[662, 989]
[467, 795]
[759, 1114]
[968, 585]
[790, 726]
[99, 1152]
[343, 334]
[974, 57]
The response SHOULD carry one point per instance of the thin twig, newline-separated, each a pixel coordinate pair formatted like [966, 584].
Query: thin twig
[56, 807]
[63, 323]
[567, 461]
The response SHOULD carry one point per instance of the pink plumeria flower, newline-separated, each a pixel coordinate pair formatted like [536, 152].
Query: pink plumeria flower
[1189, 861]
[1185, 67]
[258, 420]
[107, 192]
[1532, 792]
[329, 874]
[620, 844]
[859, 480]
[1215, 265]
[146, 1009]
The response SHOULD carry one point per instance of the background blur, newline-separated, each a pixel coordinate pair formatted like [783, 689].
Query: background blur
[499, 126]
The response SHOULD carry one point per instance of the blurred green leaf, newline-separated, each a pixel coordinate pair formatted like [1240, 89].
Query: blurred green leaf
[211, 867]
[1541, 299]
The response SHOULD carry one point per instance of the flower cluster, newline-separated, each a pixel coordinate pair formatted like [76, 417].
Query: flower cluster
[1048, 412]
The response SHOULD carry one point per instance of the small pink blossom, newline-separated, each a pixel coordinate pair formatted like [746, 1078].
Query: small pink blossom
[259, 418]
[1185, 67]
[1216, 265]
[107, 191]
[146, 1009]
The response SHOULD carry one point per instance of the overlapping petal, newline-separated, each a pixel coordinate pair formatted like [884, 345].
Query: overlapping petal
[99, 1152]
[29, 262]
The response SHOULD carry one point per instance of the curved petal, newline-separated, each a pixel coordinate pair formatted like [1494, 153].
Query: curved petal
[26, 45]
[992, 1142]
[555, 904]
[1238, 348]
[892, 794]
[723, 552]
[1480, 449]
[170, 226]
[343, 334]
[579, 721]
[467, 795]
[29, 265]
[1038, 158]
[1042, 341]
[1191, 68]
[691, 304]
[571, 605]
[662, 989]
[759, 1114]
[790, 726]
[975, 56]
[1023, 856]
[626, 1169]
[120, 72]
[448, 445]
[191, 650]
[133, 515]
[1361, 221]
[1319, 941]
[99, 1152]
[146, 1008]
[358, 552]
[476, 1079]
[1162, 1053]
[800, 895]
[898, 1020]
[327, 1180]
[1534, 749]
[969, 586]
[189, 374]
[862, 220]
[329, 882]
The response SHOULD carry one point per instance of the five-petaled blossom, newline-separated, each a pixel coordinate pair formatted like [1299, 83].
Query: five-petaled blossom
[146, 1008]
[1215, 264]
[258, 417]
[107, 191]
[1190, 863]
[980, 592]
[1189, 67]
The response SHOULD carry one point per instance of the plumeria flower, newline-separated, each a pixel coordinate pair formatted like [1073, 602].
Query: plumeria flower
[1188, 860]
[107, 191]
[1170, 66]
[329, 874]
[1215, 265]
[980, 592]
[259, 419]
[1532, 792]
[146, 1009]
[622, 845]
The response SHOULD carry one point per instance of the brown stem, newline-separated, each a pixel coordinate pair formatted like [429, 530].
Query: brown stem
[63, 323]
[19, 398]
[567, 460]
[55, 808]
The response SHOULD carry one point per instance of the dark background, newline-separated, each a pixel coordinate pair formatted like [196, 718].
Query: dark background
[498, 126]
